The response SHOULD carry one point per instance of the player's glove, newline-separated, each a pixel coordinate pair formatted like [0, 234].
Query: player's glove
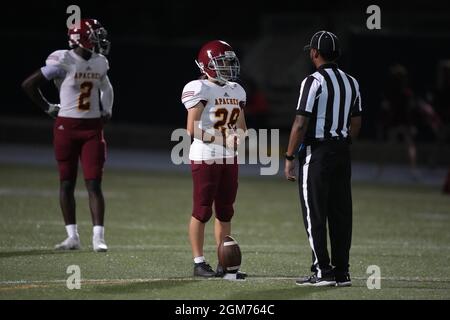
[53, 110]
[106, 116]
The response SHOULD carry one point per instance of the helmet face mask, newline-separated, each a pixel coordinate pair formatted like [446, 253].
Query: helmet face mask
[91, 36]
[226, 67]
[218, 61]
[99, 38]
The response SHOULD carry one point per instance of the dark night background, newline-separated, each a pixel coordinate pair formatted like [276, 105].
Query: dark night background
[400, 168]
[154, 44]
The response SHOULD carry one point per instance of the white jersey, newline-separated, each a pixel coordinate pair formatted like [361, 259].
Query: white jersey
[222, 108]
[78, 82]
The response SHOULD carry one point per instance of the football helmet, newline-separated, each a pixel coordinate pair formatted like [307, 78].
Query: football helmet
[218, 61]
[91, 35]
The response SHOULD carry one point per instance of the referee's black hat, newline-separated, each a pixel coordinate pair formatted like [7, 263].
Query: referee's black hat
[327, 43]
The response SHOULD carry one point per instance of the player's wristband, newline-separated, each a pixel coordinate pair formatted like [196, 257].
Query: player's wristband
[288, 157]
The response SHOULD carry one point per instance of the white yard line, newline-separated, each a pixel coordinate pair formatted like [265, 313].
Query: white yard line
[52, 193]
[288, 248]
[250, 278]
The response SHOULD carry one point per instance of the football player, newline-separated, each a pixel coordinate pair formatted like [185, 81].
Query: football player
[215, 116]
[86, 99]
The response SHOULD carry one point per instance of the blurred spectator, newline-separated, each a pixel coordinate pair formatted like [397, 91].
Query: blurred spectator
[443, 95]
[397, 113]
[443, 111]
[426, 119]
[446, 187]
[257, 107]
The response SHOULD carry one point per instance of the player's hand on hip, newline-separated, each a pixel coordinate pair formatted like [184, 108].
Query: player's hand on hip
[289, 170]
[53, 110]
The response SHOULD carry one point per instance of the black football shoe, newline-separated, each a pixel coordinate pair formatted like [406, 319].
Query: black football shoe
[220, 273]
[327, 280]
[343, 280]
[203, 269]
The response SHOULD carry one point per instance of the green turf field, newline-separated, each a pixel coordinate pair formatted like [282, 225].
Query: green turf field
[403, 230]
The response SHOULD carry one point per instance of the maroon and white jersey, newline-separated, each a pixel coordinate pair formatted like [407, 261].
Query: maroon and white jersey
[78, 81]
[222, 109]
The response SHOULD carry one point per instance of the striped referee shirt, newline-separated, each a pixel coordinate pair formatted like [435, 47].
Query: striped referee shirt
[329, 97]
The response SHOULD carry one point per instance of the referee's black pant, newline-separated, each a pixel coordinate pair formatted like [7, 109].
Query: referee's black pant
[325, 193]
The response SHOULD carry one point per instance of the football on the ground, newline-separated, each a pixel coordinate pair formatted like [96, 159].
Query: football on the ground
[229, 255]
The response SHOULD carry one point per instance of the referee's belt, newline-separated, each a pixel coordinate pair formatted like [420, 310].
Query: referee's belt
[329, 140]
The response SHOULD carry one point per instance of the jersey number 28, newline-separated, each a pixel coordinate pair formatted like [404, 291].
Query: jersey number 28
[226, 119]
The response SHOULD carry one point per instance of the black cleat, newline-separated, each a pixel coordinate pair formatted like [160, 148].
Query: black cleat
[315, 281]
[343, 280]
[203, 269]
[220, 273]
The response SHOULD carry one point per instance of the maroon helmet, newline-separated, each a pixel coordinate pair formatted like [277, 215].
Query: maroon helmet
[90, 35]
[218, 61]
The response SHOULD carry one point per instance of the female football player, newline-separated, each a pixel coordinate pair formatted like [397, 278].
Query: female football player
[79, 74]
[215, 117]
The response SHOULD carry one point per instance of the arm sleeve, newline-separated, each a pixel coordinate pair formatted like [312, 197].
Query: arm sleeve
[356, 109]
[52, 72]
[55, 65]
[193, 93]
[242, 96]
[309, 92]
[106, 94]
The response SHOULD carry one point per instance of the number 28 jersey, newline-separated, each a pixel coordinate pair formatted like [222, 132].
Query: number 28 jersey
[222, 109]
[78, 81]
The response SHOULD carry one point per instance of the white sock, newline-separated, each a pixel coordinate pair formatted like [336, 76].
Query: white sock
[72, 231]
[99, 232]
[199, 259]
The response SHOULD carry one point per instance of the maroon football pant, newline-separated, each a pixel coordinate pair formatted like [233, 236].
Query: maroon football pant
[214, 183]
[79, 140]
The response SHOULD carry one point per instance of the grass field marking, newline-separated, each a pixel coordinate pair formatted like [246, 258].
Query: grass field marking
[277, 247]
[41, 284]
[54, 193]
[24, 284]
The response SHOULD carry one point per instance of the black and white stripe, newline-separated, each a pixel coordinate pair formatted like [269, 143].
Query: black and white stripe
[304, 193]
[329, 97]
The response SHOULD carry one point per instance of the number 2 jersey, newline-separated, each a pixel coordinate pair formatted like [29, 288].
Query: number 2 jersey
[222, 109]
[78, 81]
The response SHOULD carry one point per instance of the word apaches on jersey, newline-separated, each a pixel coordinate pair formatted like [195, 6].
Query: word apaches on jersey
[220, 101]
[87, 75]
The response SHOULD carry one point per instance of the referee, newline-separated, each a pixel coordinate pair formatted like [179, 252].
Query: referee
[328, 117]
